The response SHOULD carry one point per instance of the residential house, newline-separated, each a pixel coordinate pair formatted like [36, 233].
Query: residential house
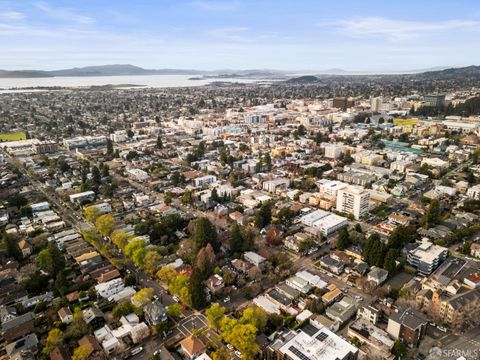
[65, 315]
[154, 313]
[192, 346]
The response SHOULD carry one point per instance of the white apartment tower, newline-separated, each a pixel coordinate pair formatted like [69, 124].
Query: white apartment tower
[353, 200]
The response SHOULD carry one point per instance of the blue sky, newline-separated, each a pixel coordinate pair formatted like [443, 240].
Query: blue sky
[242, 34]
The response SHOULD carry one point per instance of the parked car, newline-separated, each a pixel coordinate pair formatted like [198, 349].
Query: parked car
[136, 351]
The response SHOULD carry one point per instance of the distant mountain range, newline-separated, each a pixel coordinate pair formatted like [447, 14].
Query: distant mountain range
[310, 76]
[441, 74]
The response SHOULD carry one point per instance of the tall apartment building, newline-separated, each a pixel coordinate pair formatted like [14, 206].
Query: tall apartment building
[376, 104]
[353, 200]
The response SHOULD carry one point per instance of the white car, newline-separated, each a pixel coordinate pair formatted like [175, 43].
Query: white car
[229, 347]
[238, 353]
[175, 298]
[136, 351]
[227, 299]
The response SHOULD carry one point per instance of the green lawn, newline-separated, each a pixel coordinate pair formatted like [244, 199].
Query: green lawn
[13, 136]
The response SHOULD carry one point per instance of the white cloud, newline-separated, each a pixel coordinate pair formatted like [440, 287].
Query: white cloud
[216, 6]
[65, 14]
[12, 15]
[395, 30]
[240, 34]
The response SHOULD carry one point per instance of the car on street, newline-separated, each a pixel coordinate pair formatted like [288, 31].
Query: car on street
[227, 299]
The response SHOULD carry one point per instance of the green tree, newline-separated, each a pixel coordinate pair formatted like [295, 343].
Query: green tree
[167, 198]
[236, 239]
[51, 260]
[263, 217]
[174, 310]
[343, 239]
[26, 211]
[61, 283]
[17, 201]
[389, 262]
[204, 234]
[399, 349]
[10, 244]
[159, 142]
[197, 290]
[373, 250]
[109, 147]
[399, 237]
[432, 216]
[307, 245]
[186, 197]
[96, 177]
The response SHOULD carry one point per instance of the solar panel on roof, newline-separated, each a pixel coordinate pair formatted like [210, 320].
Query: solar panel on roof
[298, 353]
[322, 336]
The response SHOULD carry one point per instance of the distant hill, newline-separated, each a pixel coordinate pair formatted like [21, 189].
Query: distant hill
[443, 74]
[102, 70]
[24, 74]
[306, 79]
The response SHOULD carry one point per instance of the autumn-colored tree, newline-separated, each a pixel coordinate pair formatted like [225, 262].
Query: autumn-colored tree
[133, 246]
[120, 239]
[215, 314]
[222, 353]
[54, 339]
[243, 337]
[255, 316]
[81, 353]
[166, 274]
[91, 213]
[105, 224]
[143, 297]
[272, 237]
[151, 261]
[205, 259]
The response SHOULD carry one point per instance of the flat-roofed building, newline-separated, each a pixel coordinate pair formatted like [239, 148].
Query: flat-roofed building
[353, 200]
[311, 343]
[427, 257]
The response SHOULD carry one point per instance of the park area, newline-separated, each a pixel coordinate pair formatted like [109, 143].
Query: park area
[13, 136]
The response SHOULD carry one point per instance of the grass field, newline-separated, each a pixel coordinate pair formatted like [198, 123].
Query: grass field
[13, 136]
[405, 122]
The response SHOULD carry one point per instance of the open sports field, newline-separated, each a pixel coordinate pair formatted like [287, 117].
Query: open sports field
[13, 136]
[405, 122]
